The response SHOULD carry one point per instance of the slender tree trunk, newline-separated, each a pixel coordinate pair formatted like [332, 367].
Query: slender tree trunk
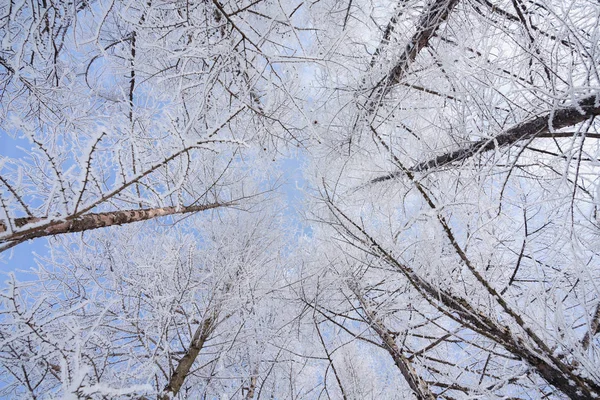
[44, 227]
[594, 328]
[419, 386]
[539, 127]
[252, 387]
[182, 370]
[430, 21]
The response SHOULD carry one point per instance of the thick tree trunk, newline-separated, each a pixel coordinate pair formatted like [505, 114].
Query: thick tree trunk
[44, 227]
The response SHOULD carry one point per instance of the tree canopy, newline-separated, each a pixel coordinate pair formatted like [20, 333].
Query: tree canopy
[300, 199]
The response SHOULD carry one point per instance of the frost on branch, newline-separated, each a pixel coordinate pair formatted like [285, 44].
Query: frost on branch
[300, 199]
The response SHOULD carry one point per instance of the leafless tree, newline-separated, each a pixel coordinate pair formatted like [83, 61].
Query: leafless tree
[448, 246]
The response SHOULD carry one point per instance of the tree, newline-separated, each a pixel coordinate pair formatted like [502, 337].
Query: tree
[135, 319]
[449, 240]
[466, 199]
[89, 90]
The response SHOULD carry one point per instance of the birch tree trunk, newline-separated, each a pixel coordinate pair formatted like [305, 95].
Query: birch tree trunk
[87, 222]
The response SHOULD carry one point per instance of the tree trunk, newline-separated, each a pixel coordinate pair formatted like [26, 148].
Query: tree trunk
[430, 21]
[251, 388]
[538, 127]
[44, 227]
[418, 385]
[185, 364]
